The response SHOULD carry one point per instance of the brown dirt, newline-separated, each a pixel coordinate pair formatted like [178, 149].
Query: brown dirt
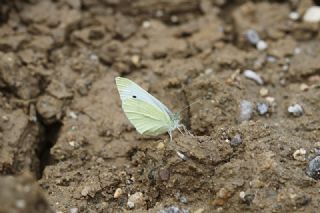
[61, 118]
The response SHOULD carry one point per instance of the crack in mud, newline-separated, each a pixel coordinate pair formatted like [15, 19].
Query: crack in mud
[49, 138]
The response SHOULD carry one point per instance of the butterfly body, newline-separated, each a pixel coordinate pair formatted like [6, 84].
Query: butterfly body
[146, 113]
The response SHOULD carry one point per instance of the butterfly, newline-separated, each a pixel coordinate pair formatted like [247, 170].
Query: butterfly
[145, 112]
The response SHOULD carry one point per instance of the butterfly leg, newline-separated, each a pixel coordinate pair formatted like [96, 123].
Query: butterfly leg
[180, 130]
[185, 130]
[170, 134]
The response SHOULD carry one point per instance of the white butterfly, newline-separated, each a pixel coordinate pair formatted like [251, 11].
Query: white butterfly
[146, 113]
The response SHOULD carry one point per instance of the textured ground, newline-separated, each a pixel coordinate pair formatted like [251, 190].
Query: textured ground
[61, 119]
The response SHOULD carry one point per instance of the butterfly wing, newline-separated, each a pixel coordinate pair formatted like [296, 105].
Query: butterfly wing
[129, 89]
[145, 117]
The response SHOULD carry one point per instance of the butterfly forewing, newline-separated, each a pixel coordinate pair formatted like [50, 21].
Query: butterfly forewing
[129, 89]
[145, 117]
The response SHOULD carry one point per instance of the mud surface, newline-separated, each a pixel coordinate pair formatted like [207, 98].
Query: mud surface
[61, 118]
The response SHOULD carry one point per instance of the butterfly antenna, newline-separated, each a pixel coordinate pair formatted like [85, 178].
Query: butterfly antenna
[189, 106]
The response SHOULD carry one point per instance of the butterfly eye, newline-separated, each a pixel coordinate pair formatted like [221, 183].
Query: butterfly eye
[134, 96]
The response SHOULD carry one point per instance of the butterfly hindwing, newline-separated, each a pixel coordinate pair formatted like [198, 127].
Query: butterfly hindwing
[145, 117]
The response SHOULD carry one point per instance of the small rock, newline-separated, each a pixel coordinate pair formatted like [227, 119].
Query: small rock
[181, 155]
[252, 36]
[294, 16]
[164, 174]
[300, 154]
[146, 24]
[20, 204]
[313, 169]
[246, 197]
[236, 140]
[160, 145]
[73, 115]
[304, 87]
[271, 59]
[222, 196]
[74, 210]
[173, 209]
[201, 210]
[130, 205]
[270, 100]
[246, 109]
[85, 191]
[295, 110]
[5, 118]
[136, 200]
[264, 92]
[183, 199]
[135, 59]
[312, 14]
[242, 194]
[262, 108]
[118, 193]
[262, 45]
[253, 76]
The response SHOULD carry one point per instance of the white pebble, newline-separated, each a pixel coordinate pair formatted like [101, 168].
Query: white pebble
[253, 76]
[300, 154]
[242, 194]
[312, 14]
[297, 51]
[146, 24]
[264, 92]
[294, 15]
[73, 115]
[130, 205]
[118, 193]
[74, 210]
[252, 36]
[20, 204]
[262, 45]
[135, 200]
[295, 110]
[182, 156]
[246, 110]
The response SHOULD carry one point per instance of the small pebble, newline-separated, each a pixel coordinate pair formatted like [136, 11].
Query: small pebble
[74, 210]
[236, 140]
[313, 169]
[312, 14]
[160, 145]
[271, 59]
[252, 36]
[174, 19]
[294, 15]
[183, 199]
[246, 109]
[135, 200]
[253, 76]
[182, 156]
[85, 191]
[130, 205]
[262, 45]
[295, 110]
[5, 118]
[20, 204]
[270, 100]
[242, 194]
[297, 51]
[146, 24]
[73, 115]
[300, 154]
[118, 193]
[262, 108]
[304, 87]
[135, 59]
[173, 209]
[264, 92]
[72, 143]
